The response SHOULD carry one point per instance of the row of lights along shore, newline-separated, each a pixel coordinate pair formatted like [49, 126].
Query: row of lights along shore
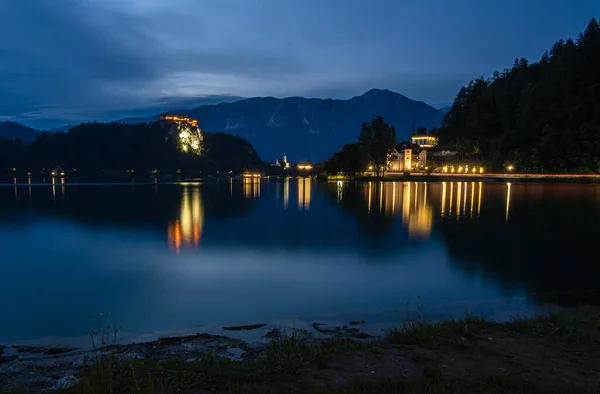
[462, 170]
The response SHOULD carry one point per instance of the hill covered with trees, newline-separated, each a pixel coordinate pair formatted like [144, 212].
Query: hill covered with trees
[538, 117]
[93, 148]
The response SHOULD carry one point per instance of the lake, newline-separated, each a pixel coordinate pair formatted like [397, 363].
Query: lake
[165, 258]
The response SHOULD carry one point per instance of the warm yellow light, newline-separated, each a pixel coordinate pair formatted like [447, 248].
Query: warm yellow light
[481, 170]
[370, 168]
[62, 174]
[251, 175]
[14, 169]
[474, 170]
[452, 169]
[185, 148]
[460, 169]
[445, 168]
[510, 168]
[184, 135]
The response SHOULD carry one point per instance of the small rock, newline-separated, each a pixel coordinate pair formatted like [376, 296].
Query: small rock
[240, 328]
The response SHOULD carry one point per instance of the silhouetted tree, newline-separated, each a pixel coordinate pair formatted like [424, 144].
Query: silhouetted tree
[379, 140]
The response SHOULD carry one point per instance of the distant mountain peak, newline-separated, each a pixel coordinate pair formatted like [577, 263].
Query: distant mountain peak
[379, 92]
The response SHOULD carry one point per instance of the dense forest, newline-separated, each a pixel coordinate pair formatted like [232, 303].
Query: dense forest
[538, 117]
[93, 148]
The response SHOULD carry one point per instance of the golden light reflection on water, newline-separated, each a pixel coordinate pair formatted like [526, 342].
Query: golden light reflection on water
[251, 187]
[507, 200]
[409, 200]
[286, 192]
[304, 190]
[465, 199]
[186, 230]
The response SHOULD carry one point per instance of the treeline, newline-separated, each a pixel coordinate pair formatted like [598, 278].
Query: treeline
[376, 142]
[538, 117]
[92, 148]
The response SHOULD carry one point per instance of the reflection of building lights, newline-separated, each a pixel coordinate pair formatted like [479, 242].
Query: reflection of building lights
[472, 196]
[251, 186]
[507, 200]
[458, 191]
[304, 185]
[479, 200]
[340, 186]
[451, 195]
[443, 197]
[54, 190]
[286, 192]
[465, 199]
[186, 230]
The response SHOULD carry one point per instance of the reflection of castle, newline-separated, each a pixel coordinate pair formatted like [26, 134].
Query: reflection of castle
[186, 230]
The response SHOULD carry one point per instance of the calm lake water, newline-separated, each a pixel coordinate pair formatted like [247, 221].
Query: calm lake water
[167, 257]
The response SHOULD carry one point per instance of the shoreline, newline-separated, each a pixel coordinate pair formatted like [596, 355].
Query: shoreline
[488, 178]
[550, 351]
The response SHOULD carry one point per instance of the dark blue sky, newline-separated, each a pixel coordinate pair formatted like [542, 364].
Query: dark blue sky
[64, 61]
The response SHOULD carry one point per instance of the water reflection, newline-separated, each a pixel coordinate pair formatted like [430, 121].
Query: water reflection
[349, 247]
[408, 200]
[304, 189]
[286, 192]
[251, 187]
[186, 230]
[507, 200]
[465, 200]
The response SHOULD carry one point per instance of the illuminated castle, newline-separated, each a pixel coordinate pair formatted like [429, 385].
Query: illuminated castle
[190, 135]
[191, 122]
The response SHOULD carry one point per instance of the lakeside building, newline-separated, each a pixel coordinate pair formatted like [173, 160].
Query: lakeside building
[283, 164]
[407, 160]
[424, 141]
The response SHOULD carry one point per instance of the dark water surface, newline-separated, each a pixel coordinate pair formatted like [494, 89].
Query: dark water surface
[162, 257]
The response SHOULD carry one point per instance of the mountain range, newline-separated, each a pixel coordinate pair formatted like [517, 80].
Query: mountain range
[12, 130]
[311, 128]
[305, 128]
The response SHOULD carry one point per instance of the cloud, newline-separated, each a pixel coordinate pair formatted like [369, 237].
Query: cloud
[95, 59]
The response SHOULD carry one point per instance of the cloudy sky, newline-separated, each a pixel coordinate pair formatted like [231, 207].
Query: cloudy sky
[64, 61]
